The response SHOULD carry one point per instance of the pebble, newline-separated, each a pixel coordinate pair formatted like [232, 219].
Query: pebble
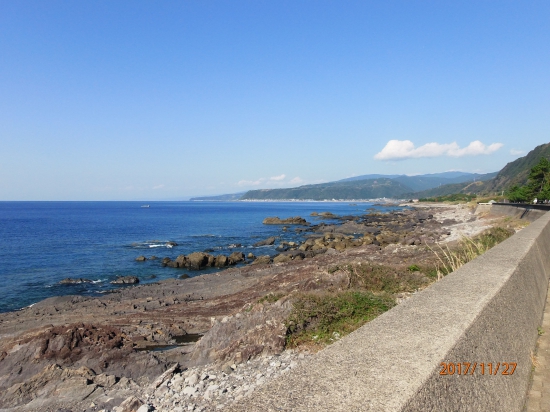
[200, 389]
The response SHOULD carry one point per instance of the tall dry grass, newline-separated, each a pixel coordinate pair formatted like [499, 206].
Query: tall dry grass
[450, 259]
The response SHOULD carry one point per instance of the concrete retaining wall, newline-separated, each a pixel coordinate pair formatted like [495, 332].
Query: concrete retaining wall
[520, 211]
[486, 312]
[517, 210]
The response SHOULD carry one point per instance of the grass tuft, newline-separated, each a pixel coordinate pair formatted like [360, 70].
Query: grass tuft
[468, 249]
[325, 317]
[271, 298]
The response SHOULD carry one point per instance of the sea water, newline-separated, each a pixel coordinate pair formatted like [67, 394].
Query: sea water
[42, 243]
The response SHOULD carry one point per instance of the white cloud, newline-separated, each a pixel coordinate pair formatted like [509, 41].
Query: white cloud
[404, 149]
[516, 152]
[278, 178]
[296, 181]
[158, 187]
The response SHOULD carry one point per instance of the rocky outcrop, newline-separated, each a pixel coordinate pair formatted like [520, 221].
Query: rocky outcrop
[267, 242]
[201, 260]
[289, 221]
[47, 366]
[125, 280]
[74, 281]
[262, 260]
[141, 258]
[236, 339]
[221, 261]
[236, 257]
[282, 258]
[197, 260]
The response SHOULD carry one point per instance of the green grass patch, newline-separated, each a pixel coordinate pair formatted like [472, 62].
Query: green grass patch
[323, 318]
[385, 279]
[270, 298]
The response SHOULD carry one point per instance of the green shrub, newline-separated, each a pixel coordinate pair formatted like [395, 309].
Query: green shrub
[323, 318]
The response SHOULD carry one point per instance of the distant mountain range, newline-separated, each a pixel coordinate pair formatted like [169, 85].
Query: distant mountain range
[359, 187]
[221, 198]
[376, 186]
[514, 173]
[367, 187]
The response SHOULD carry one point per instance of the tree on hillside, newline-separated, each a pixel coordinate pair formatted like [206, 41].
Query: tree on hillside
[538, 185]
[518, 194]
[539, 180]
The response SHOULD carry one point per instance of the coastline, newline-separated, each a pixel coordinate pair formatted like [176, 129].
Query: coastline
[222, 307]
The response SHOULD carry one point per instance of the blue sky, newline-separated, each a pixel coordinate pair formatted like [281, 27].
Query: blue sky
[135, 100]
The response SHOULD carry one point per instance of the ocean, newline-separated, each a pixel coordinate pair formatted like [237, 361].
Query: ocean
[42, 243]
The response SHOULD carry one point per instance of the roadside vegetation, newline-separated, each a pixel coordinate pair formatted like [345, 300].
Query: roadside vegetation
[322, 317]
[456, 197]
[450, 259]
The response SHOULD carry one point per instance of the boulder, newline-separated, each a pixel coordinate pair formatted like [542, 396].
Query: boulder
[296, 254]
[211, 260]
[297, 220]
[317, 251]
[368, 239]
[131, 404]
[171, 244]
[283, 247]
[267, 242]
[196, 260]
[282, 258]
[180, 260]
[339, 246]
[221, 261]
[125, 280]
[258, 332]
[262, 260]
[76, 281]
[236, 257]
[141, 258]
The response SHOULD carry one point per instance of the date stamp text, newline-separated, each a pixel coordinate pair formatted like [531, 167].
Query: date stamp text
[483, 368]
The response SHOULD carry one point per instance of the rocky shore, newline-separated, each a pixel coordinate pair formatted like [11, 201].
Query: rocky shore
[201, 343]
